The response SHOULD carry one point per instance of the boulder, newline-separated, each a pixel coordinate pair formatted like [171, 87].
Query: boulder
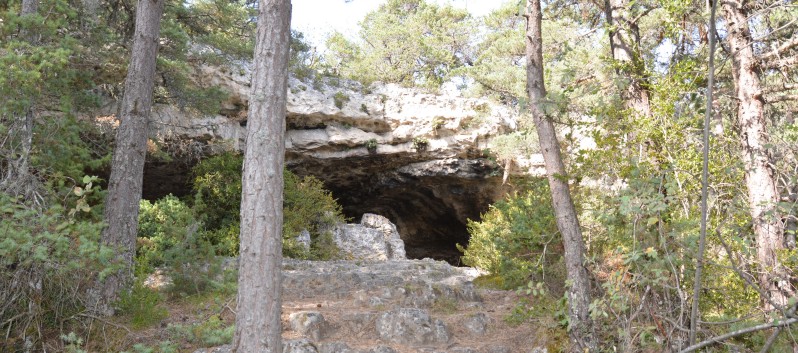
[335, 347]
[375, 238]
[411, 326]
[310, 324]
[476, 324]
[302, 345]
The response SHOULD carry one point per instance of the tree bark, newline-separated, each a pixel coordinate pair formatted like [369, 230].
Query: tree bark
[760, 177]
[260, 274]
[17, 179]
[127, 166]
[581, 332]
[624, 38]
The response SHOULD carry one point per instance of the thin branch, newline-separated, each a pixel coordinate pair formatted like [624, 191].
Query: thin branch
[704, 180]
[781, 98]
[775, 53]
[721, 338]
[780, 63]
[771, 340]
[105, 321]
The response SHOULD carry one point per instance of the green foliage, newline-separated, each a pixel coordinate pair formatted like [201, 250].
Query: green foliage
[340, 99]
[162, 227]
[371, 145]
[209, 333]
[306, 206]
[518, 143]
[517, 240]
[420, 144]
[140, 303]
[410, 42]
[169, 236]
[48, 260]
[499, 65]
[303, 61]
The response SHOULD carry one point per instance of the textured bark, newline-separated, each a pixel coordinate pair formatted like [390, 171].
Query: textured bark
[624, 39]
[759, 174]
[260, 277]
[29, 7]
[127, 166]
[17, 179]
[581, 333]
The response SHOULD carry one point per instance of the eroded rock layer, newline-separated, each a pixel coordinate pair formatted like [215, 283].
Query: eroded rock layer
[416, 158]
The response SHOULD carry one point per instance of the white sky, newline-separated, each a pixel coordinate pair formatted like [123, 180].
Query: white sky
[317, 18]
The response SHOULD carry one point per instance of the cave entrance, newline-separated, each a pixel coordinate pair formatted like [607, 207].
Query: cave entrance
[429, 202]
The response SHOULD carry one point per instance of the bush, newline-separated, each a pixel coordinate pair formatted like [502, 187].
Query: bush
[169, 236]
[48, 261]
[162, 226]
[306, 206]
[517, 240]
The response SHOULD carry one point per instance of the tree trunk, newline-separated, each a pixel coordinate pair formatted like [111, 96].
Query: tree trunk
[757, 160]
[127, 166]
[581, 331]
[624, 39]
[17, 180]
[260, 274]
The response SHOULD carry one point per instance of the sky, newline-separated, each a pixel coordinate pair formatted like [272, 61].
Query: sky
[317, 18]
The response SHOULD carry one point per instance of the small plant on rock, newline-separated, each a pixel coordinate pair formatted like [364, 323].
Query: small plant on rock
[438, 122]
[340, 99]
[420, 144]
[371, 145]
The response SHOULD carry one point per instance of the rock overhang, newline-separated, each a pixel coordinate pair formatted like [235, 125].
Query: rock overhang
[414, 157]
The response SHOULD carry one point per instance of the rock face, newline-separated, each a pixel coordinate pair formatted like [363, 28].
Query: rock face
[375, 238]
[410, 326]
[395, 306]
[414, 157]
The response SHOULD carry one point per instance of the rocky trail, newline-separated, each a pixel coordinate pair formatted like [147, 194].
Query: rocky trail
[396, 306]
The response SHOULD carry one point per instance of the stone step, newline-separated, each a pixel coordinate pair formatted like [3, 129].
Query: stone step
[397, 306]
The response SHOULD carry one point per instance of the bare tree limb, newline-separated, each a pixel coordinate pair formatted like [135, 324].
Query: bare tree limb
[776, 53]
[771, 340]
[721, 338]
[780, 63]
[781, 98]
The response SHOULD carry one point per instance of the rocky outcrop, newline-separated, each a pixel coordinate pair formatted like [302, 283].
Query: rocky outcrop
[399, 306]
[375, 238]
[417, 158]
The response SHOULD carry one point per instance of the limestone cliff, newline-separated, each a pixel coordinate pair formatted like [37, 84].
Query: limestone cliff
[414, 157]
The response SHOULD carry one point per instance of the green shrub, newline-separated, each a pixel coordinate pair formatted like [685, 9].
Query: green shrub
[162, 226]
[48, 261]
[517, 239]
[420, 144]
[212, 332]
[340, 98]
[141, 304]
[371, 145]
[169, 236]
[306, 206]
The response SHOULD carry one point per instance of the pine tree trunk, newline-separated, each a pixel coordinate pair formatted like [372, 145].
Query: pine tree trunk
[581, 333]
[759, 174]
[624, 39]
[127, 166]
[17, 179]
[260, 276]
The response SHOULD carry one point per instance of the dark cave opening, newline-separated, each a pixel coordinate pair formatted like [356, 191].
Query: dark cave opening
[430, 209]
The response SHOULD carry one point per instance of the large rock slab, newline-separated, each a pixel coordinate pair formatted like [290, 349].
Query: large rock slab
[411, 326]
[375, 238]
